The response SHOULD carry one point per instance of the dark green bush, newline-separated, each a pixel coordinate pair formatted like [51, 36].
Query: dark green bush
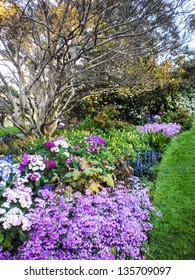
[180, 116]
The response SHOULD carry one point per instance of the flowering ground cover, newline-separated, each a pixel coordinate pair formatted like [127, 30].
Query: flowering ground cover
[110, 225]
[65, 202]
[170, 129]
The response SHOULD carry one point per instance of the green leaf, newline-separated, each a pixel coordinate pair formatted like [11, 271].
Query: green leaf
[22, 236]
[113, 251]
[76, 175]
[109, 180]
[7, 242]
[11, 247]
[94, 186]
[69, 174]
[88, 172]
[37, 183]
[1, 237]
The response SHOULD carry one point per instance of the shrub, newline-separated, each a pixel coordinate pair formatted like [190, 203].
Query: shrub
[182, 117]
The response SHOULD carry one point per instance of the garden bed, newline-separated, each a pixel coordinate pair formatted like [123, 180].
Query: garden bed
[66, 198]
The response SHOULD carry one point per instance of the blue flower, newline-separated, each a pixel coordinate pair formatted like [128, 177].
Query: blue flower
[47, 187]
[5, 170]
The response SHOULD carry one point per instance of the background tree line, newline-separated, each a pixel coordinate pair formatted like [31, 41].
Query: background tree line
[58, 52]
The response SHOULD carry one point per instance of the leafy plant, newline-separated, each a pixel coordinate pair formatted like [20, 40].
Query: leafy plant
[179, 116]
[158, 140]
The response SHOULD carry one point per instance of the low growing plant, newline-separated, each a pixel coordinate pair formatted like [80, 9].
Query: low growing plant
[110, 225]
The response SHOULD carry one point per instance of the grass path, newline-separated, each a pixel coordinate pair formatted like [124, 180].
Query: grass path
[173, 236]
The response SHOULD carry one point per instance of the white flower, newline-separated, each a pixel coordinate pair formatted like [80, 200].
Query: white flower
[13, 218]
[42, 167]
[26, 224]
[55, 149]
[2, 211]
[66, 153]
[6, 225]
[25, 200]
[35, 168]
[6, 205]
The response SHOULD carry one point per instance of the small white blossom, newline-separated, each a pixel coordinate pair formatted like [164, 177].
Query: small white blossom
[26, 224]
[6, 205]
[55, 149]
[66, 153]
[2, 211]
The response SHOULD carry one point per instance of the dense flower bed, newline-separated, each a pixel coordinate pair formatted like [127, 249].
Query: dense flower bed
[110, 225]
[44, 216]
[170, 129]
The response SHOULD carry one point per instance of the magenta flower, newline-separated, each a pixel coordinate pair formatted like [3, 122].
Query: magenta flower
[34, 176]
[49, 164]
[68, 160]
[49, 144]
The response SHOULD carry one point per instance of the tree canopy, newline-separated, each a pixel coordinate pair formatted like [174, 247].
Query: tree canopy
[56, 52]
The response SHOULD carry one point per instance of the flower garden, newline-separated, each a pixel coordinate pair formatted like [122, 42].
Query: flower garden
[77, 197]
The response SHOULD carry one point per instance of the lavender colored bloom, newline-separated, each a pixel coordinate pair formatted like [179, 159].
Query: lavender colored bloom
[170, 129]
[110, 225]
[5, 254]
[93, 143]
[68, 160]
[96, 139]
[46, 192]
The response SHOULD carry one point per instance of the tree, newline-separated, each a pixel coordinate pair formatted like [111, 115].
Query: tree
[54, 51]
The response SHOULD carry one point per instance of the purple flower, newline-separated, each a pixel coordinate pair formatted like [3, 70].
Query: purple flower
[170, 129]
[110, 225]
[68, 160]
[34, 176]
[46, 192]
[49, 164]
[49, 144]
[46, 187]
[93, 142]
[96, 139]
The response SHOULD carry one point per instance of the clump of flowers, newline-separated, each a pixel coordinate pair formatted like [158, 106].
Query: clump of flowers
[110, 225]
[5, 170]
[54, 145]
[34, 162]
[170, 129]
[49, 164]
[93, 143]
[15, 201]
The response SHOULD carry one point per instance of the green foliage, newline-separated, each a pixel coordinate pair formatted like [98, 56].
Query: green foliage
[9, 238]
[180, 116]
[158, 140]
[89, 177]
[31, 145]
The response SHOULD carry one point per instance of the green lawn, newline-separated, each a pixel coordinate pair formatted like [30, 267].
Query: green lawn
[13, 130]
[173, 236]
